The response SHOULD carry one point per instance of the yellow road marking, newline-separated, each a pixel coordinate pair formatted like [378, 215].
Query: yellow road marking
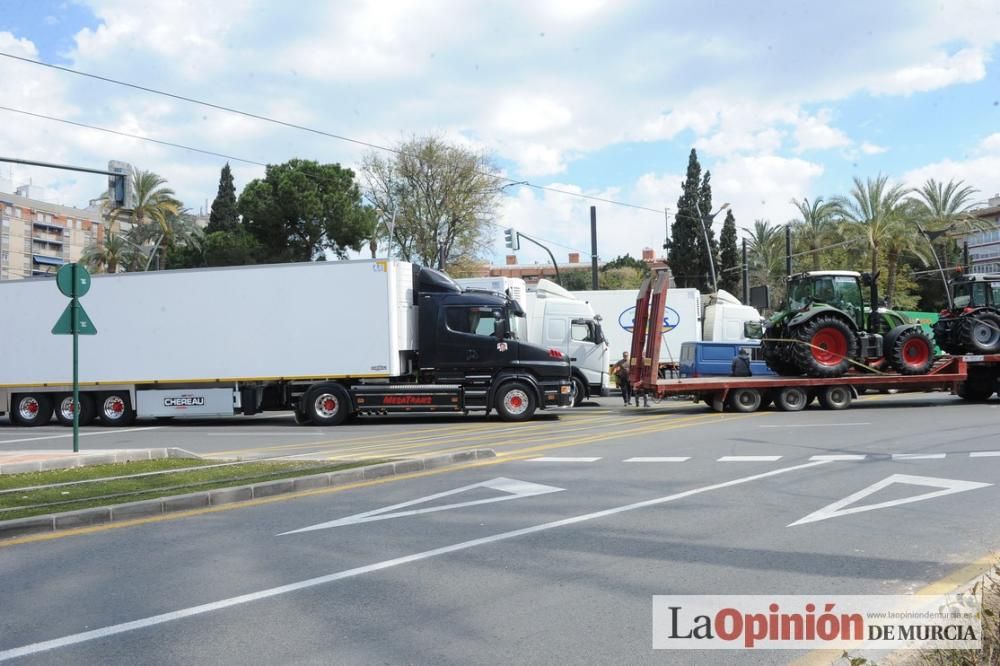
[511, 457]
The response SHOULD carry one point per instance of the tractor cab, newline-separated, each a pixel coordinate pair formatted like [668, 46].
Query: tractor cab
[837, 289]
[977, 291]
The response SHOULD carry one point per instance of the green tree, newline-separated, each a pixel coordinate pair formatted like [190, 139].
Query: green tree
[872, 210]
[730, 263]
[439, 200]
[686, 245]
[114, 254]
[765, 247]
[705, 208]
[302, 209]
[224, 215]
[218, 248]
[624, 277]
[815, 228]
[577, 280]
[153, 202]
[627, 261]
[177, 231]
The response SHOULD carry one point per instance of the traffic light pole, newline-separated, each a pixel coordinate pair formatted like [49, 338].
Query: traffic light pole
[120, 177]
[554, 264]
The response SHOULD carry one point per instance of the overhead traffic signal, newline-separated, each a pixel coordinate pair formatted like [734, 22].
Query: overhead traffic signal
[511, 239]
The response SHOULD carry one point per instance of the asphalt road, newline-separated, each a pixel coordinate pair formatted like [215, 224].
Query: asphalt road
[561, 571]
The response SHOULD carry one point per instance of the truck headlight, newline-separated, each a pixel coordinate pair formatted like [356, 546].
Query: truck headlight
[565, 389]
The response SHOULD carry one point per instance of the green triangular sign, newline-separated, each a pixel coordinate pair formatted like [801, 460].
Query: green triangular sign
[65, 324]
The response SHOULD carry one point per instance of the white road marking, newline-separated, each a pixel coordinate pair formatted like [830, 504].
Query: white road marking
[112, 630]
[839, 457]
[815, 425]
[515, 490]
[660, 459]
[114, 431]
[749, 459]
[984, 454]
[947, 487]
[918, 456]
[557, 459]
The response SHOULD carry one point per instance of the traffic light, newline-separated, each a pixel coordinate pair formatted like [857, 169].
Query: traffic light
[511, 239]
[116, 191]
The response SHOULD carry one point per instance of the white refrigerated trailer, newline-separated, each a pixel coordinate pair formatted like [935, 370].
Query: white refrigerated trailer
[327, 339]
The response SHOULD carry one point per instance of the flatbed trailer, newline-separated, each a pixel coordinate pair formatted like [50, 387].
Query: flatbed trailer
[971, 377]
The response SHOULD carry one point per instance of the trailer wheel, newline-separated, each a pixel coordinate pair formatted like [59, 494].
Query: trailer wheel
[975, 391]
[580, 391]
[835, 397]
[515, 401]
[327, 404]
[744, 400]
[31, 409]
[115, 409]
[64, 409]
[791, 399]
[717, 403]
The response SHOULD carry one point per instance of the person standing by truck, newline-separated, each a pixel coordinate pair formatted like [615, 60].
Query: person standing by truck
[620, 370]
[741, 364]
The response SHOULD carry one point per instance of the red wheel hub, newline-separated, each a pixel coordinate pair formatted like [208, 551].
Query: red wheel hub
[118, 407]
[916, 352]
[829, 346]
[330, 404]
[32, 407]
[516, 401]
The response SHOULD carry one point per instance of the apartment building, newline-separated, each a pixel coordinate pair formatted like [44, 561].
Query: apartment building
[984, 245]
[37, 237]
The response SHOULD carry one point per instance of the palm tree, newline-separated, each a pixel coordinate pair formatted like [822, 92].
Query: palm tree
[902, 238]
[153, 202]
[816, 227]
[117, 252]
[872, 209]
[765, 252]
[176, 229]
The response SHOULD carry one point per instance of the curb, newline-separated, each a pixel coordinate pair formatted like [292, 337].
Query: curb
[102, 458]
[54, 522]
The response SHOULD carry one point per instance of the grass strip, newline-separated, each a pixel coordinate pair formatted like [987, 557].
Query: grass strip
[120, 490]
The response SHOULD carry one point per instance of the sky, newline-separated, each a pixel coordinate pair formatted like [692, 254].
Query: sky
[781, 99]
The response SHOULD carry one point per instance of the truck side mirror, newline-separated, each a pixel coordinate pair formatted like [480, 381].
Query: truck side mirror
[753, 330]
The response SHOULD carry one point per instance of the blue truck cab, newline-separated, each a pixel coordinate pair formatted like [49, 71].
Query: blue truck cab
[714, 359]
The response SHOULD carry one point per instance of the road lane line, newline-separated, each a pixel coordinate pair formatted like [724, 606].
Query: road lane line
[815, 425]
[557, 459]
[163, 618]
[749, 459]
[984, 454]
[501, 459]
[82, 434]
[660, 459]
[838, 457]
[918, 456]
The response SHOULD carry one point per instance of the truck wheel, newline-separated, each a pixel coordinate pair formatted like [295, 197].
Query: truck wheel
[580, 389]
[791, 399]
[975, 391]
[64, 409]
[744, 400]
[827, 346]
[327, 404]
[835, 397]
[980, 333]
[115, 409]
[515, 402]
[912, 352]
[31, 409]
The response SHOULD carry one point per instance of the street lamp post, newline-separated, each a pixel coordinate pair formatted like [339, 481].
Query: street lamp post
[708, 246]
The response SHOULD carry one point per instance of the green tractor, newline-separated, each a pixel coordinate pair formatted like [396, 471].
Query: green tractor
[971, 325]
[826, 328]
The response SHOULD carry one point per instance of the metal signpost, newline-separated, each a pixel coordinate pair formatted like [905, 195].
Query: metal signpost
[73, 281]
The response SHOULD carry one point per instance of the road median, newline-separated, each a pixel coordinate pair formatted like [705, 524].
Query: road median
[214, 492]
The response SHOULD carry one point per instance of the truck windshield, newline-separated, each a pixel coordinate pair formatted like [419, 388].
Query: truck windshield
[799, 294]
[970, 294]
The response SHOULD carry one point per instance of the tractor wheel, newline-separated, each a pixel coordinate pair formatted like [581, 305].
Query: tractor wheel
[784, 368]
[827, 346]
[980, 333]
[944, 331]
[912, 352]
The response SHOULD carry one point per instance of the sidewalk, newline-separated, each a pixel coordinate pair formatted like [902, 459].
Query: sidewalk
[14, 462]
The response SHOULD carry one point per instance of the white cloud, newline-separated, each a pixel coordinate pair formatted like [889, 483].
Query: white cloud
[979, 171]
[872, 148]
[763, 186]
[526, 114]
[815, 133]
[942, 70]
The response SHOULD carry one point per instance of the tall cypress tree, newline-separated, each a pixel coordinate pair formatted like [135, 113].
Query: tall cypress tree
[685, 233]
[224, 216]
[730, 274]
[705, 206]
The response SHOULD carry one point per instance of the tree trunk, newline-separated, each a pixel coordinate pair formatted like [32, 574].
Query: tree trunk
[815, 257]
